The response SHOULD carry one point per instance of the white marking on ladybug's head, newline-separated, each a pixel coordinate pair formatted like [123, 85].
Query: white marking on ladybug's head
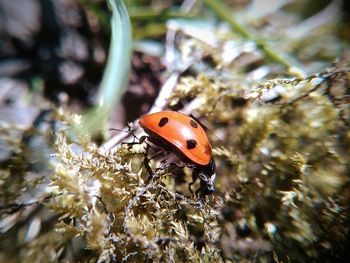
[212, 178]
[210, 183]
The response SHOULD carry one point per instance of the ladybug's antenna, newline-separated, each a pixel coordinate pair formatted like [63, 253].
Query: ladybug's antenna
[129, 131]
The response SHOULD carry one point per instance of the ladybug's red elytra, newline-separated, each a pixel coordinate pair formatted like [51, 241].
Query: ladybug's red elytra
[185, 137]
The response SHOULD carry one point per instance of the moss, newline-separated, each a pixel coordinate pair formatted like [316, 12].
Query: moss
[281, 184]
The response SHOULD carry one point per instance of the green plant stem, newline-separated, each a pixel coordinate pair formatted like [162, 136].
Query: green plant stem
[146, 13]
[116, 73]
[223, 11]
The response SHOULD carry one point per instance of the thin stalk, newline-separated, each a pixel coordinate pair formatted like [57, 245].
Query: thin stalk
[146, 13]
[224, 12]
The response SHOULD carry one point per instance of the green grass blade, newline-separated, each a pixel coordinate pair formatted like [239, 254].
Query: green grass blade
[115, 77]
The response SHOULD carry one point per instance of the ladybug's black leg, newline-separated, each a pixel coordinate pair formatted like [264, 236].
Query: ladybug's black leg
[200, 191]
[140, 141]
[194, 178]
[206, 186]
[159, 153]
[170, 166]
[146, 161]
[130, 130]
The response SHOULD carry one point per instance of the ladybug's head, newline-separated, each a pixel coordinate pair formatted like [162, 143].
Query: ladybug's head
[207, 177]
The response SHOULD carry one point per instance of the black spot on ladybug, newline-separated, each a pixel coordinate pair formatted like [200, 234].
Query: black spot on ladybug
[194, 124]
[191, 144]
[163, 121]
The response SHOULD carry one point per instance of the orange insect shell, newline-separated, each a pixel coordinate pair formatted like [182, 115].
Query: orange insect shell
[181, 132]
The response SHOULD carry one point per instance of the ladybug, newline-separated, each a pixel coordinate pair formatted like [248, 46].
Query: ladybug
[184, 136]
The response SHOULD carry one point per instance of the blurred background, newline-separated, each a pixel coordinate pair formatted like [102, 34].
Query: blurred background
[58, 48]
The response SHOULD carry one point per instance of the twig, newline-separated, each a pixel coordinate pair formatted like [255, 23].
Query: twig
[132, 202]
[304, 95]
[327, 75]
